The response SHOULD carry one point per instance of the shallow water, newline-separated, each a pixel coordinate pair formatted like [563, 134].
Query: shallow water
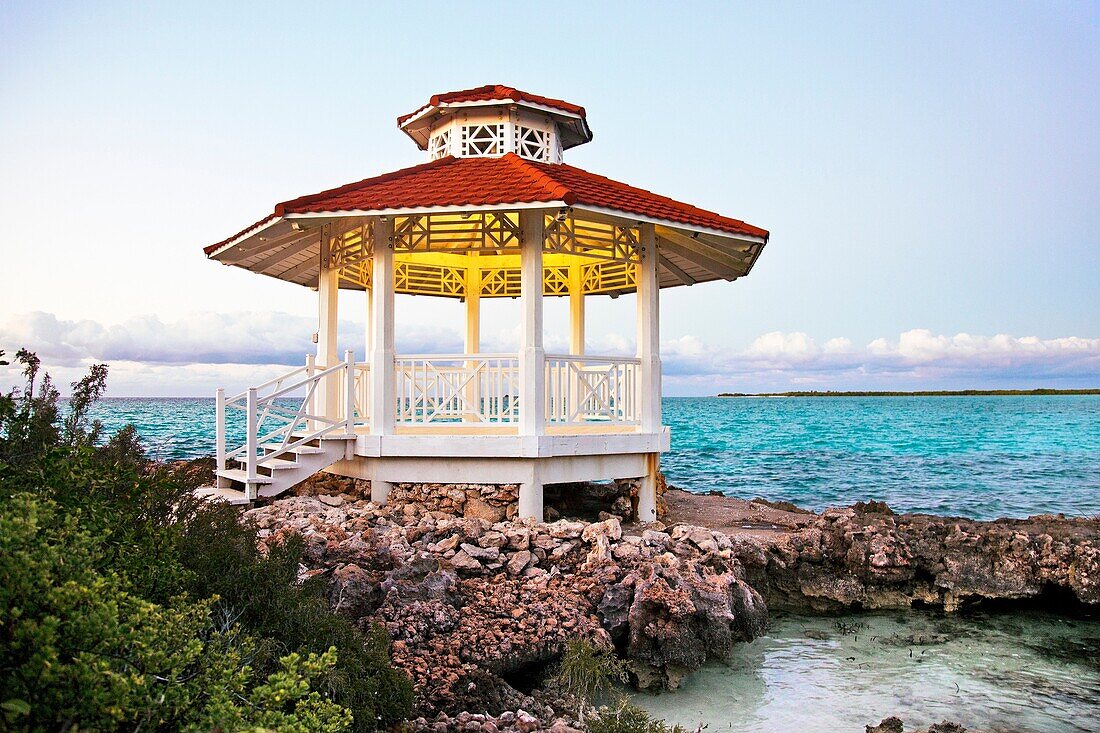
[1027, 671]
[982, 457]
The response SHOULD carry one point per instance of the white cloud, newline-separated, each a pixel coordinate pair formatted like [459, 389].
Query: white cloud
[195, 355]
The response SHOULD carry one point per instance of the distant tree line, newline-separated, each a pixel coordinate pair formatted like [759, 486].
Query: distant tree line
[922, 393]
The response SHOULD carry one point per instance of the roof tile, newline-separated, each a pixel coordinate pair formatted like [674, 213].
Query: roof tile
[491, 92]
[509, 179]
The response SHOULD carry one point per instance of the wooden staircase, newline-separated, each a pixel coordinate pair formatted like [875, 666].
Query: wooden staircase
[277, 475]
[287, 438]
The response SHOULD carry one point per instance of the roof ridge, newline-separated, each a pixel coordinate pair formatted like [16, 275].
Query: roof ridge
[553, 187]
[280, 208]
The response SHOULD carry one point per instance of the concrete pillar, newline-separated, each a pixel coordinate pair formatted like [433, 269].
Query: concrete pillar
[328, 303]
[532, 356]
[382, 392]
[649, 333]
[530, 497]
[647, 489]
[380, 491]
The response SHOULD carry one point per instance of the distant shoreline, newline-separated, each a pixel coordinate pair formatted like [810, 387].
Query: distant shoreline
[925, 393]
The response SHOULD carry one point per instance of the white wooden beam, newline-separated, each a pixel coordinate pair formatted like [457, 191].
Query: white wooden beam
[328, 291]
[473, 305]
[382, 397]
[682, 276]
[532, 356]
[308, 240]
[576, 310]
[649, 336]
[729, 258]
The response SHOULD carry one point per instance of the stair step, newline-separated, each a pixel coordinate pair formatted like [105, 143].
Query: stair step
[303, 450]
[241, 476]
[231, 496]
[277, 463]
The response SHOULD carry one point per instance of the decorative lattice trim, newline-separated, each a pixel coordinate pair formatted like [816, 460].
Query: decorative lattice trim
[484, 231]
[532, 143]
[350, 252]
[425, 279]
[439, 144]
[591, 239]
[482, 140]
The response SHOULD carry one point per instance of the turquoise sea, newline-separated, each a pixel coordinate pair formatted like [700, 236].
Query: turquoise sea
[982, 457]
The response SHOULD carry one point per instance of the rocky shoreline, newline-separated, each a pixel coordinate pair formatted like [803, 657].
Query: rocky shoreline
[479, 605]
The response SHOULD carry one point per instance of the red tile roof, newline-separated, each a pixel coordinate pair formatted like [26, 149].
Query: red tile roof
[492, 92]
[509, 179]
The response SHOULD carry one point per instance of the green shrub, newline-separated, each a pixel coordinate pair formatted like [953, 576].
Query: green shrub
[126, 603]
[587, 671]
[627, 718]
[78, 650]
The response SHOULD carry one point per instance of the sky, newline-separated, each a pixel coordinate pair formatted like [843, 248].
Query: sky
[928, 172]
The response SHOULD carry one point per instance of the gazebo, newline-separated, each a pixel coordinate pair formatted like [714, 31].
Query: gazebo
[494, 213]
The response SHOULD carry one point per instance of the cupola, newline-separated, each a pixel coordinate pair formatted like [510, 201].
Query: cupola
[494, 120]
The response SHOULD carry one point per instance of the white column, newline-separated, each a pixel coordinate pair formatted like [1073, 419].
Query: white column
[576, 311]
[532, 357]
[649, 353]
[473, 306]
[649, 343]
[472, 342]
[328, 302]
[382, 397]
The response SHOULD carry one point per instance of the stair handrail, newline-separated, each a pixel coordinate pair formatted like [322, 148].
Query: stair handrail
[258, 407]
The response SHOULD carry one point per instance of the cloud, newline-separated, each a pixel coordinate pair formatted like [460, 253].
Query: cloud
[196, 354]
[916, 359]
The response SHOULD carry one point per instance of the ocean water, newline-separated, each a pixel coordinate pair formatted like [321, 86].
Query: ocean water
[1027, 671]
[982, 457]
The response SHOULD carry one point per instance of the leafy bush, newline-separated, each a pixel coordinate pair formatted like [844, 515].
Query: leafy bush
[587, 671]
[627, 718]
[124, 603]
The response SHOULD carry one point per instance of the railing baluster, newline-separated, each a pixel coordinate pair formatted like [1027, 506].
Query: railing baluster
[219, 429]
[250, 445]
[349, 393]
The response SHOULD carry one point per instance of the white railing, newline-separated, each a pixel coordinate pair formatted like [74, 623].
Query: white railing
[581, 389]
[284, 413]
[468, 389]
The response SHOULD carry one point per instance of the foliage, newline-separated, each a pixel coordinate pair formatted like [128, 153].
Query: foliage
[627, 718]
[262, 593]
[127, 604]
[587, 671]
[80, 649]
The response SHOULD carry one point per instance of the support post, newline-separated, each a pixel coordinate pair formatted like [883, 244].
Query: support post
[576, 311]
[532, 356]
[349, 393]
[379, 491]
[219, 430]
[311, 392]
[472, 343]
[531, 497]
[647, 489]
[250, 444]
[574, 407]
[649, 344]
[328, 302]
[382, 391]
